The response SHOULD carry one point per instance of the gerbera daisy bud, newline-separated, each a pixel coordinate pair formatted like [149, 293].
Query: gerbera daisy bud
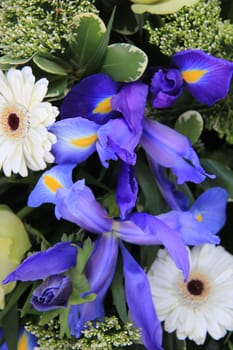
[25, 142]
[203, 304]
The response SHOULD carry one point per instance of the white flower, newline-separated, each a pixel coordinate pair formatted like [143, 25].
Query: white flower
[24, 139]
[203, 304]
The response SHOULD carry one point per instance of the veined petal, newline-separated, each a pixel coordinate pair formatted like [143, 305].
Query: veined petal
[76, 139]
[55, 260]
[206, 77]
[127, 189]
[116, 140]
[99, 271]
[170, 238]
[139, 300]
[78, 205]
[210, 208]
[130, 101]
[51, 180]
[91, 98]
[171, 150]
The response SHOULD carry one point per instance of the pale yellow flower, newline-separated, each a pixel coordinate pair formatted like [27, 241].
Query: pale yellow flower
[160, 7]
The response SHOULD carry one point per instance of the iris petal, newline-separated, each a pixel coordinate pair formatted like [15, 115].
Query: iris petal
[78, 205]
[116, 140]
[127, 189]
[90, 98]
[51, 180]
[76, 140]
[139, 300]
[206, 77]
[130, 101]
[55, 260]
[172, 150]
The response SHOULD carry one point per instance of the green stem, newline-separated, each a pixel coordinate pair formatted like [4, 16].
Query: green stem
[24, 212]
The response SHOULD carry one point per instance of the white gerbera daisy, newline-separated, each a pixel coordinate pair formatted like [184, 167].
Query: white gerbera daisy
[203, 304]
[24, 139]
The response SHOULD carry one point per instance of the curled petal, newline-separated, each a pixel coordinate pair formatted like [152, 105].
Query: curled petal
[76, 140]
[206, 77]
[166, 87]
[127, 190]
[51, 180]
[130, 101]
[58, 259]
[141, 309]
[172, 150]
[78, 205]
[91, 99]
[115, 140]
[53, 293]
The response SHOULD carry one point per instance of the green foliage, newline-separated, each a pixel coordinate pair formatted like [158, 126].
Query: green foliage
[199, 26]
[107, 335]
[34, 26]
[190, 124]
[124, 62]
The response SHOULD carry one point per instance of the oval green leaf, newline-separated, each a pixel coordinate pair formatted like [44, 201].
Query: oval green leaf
[161, 7]
[124, 62]
[190, 124]
[51, 64]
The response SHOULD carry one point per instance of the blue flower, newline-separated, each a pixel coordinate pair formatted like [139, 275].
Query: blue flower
[26, 341]
[170, 149]
[203, 220]
[206, 77]
[53, 293]
[166, 86]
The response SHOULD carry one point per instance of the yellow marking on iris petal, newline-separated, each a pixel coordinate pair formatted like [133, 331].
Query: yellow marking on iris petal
[199, 218]
[22, 343]
[52, 183]
[193, 75]
[84, 142]
[104, 106]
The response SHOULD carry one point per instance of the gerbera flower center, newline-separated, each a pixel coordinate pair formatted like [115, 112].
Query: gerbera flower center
[14, 120]
[196, 289]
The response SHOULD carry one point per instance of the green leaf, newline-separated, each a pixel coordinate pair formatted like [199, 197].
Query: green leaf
[11, 327]
[51, 64]
[124, 62]
[125, 21]
[47, 316]
[83, 255]
[64, 324]
[13, 297]
[13, 61]
[57, 89]
[97, 60]
[190, 124]
[110, 204]
[86, 39]
[224, 175]
[160, 6]
[118, 292]
[154, 201]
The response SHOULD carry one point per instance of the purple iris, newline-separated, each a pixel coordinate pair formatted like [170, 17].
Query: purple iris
[48, 265]
[206, 77]
[166, 86]
[170, 149]
[26, 340]
[53, 293]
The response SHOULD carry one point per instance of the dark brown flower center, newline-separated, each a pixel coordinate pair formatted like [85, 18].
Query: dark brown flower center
[195, 287]
[13, 121]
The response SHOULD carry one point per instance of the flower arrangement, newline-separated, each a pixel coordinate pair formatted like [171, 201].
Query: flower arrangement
[116, 174]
